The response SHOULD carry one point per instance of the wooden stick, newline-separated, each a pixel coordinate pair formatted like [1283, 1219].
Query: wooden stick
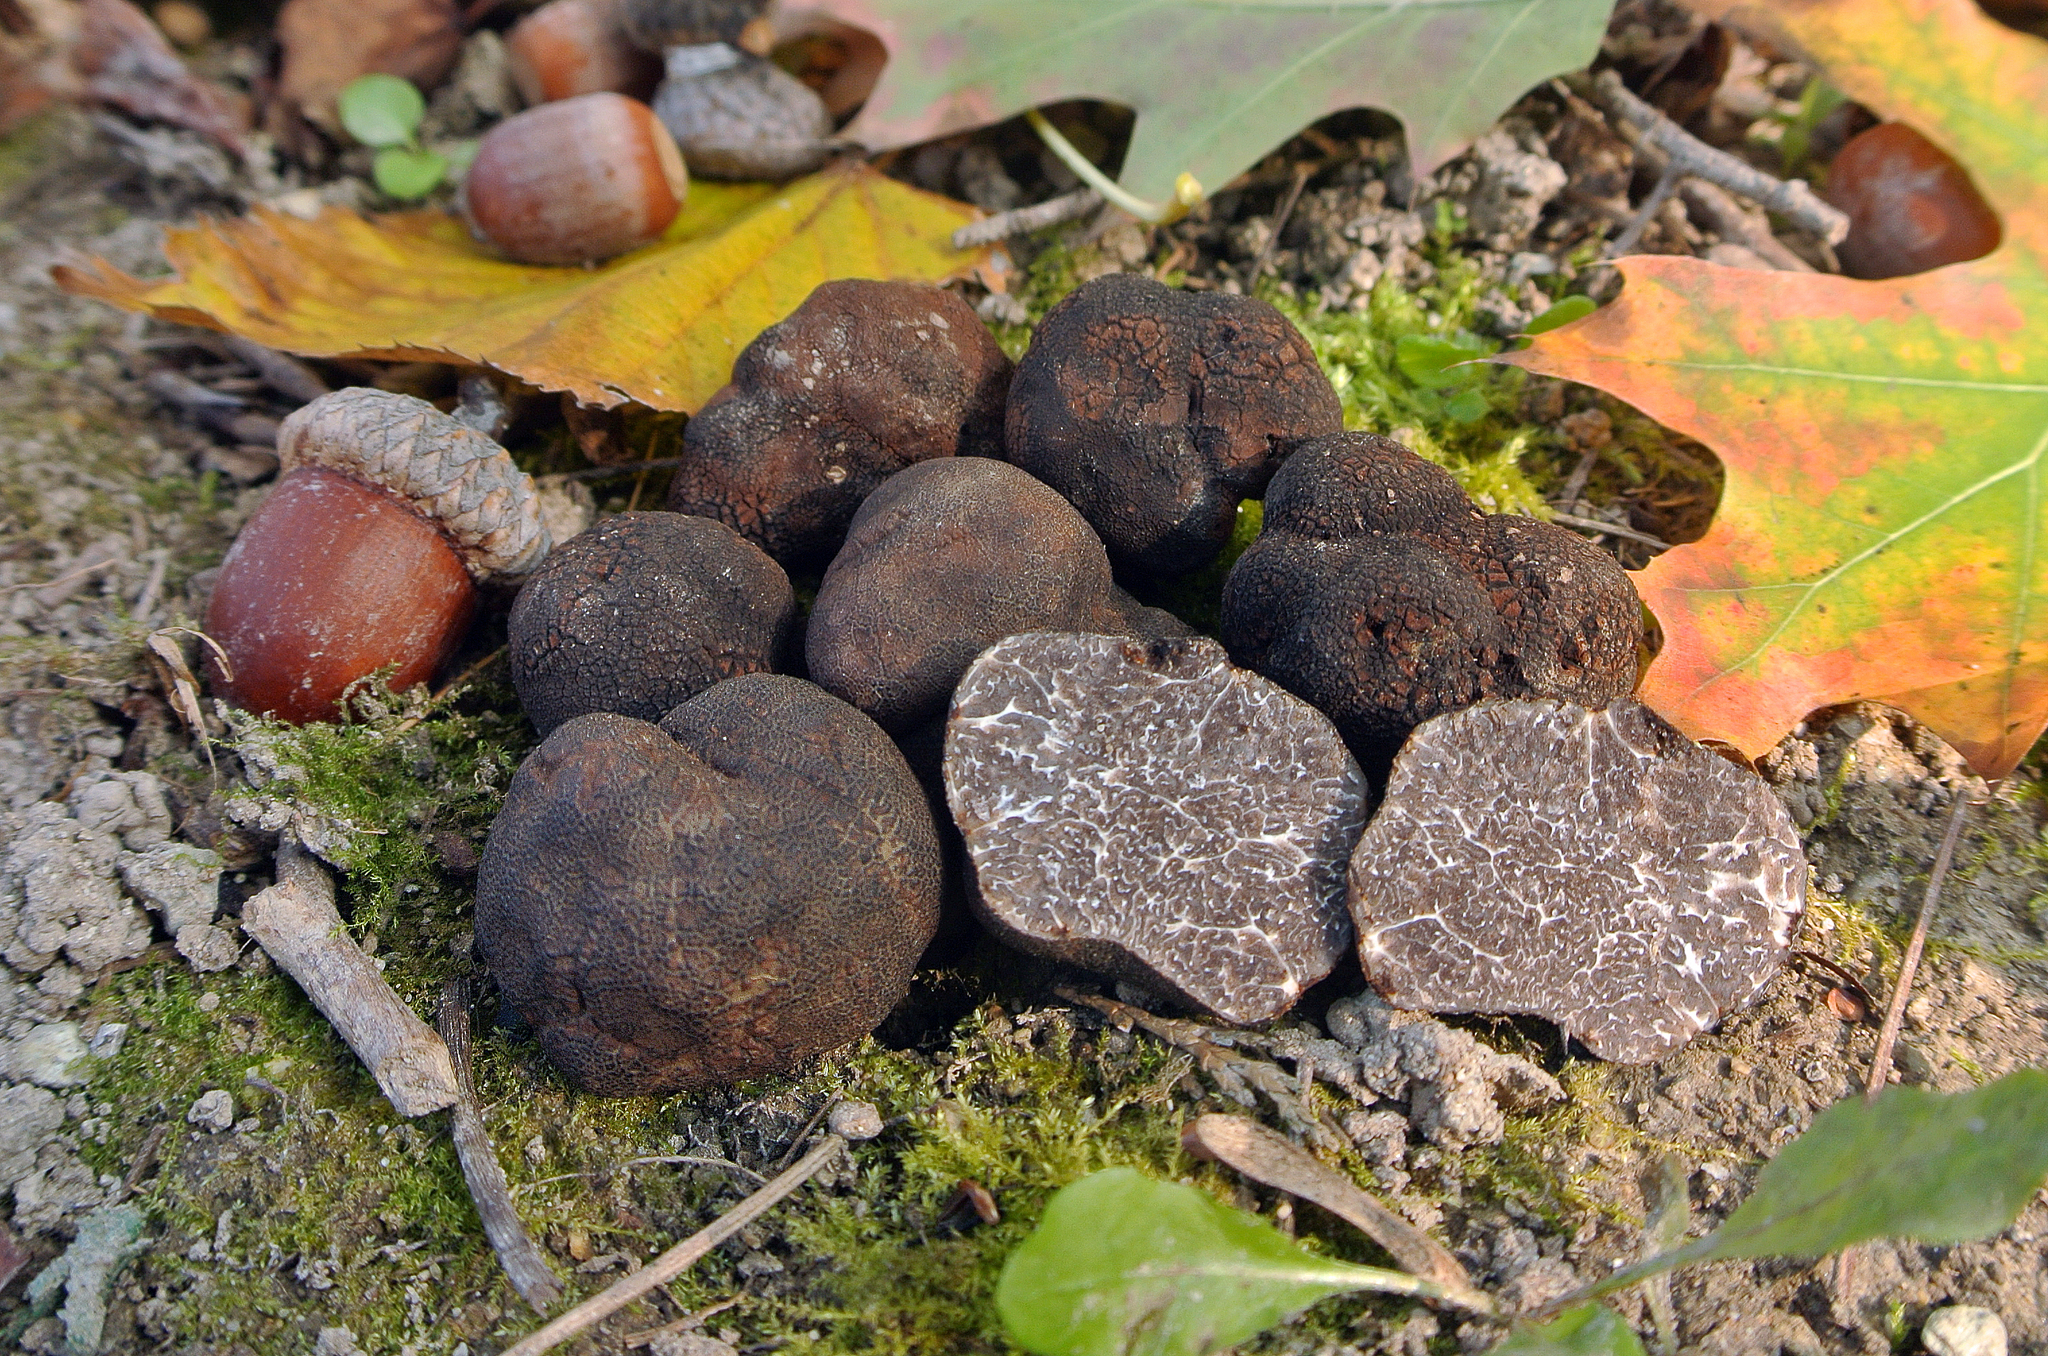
[1023, 220]
[296, 922]
[681, 1257]
[524, 1266]
[1792, 198]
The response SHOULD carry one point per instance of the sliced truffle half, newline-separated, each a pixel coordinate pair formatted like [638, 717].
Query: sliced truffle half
[1156, 411]
[857, 383]
[1594, 868]
[643, 612]
[725, 894]
[1146, 810]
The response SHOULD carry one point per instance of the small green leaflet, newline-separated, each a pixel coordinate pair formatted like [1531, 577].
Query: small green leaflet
[1216, 85]
[1914, 1164]
[381, 110]
[1432, 361]
[1563, 313]
[404, 172]
[1122, 1265]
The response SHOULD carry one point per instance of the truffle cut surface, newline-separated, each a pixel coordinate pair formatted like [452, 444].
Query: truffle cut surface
[725, 894]
[1149, 811]
[1594, 868]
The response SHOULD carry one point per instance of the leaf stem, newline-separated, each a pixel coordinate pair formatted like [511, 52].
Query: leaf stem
[1187, 190]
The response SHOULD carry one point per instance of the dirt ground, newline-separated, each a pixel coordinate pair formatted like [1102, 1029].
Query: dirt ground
[292, 1204]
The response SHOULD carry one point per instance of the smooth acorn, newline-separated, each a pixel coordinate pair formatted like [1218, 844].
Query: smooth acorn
[574, 181]
[571, 47]
[1911, 206]
[367, 554]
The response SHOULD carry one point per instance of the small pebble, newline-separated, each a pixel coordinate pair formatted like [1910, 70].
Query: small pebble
[214, 1111]
[1964, 1330]
[208, 1002]
[855, 1120]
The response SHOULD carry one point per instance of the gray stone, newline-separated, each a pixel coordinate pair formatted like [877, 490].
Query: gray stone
[106, 1042]
[336, 1342]
[214, 1111]
[53, 1054]
[209, 948]
[689, 1344]
[107, 1239]
[68, 899]
[855, 1120]
[60, 1187]
[179, 881]
[28, 1117]
[1964, 1330]
[1457, 1089]
[128, 804]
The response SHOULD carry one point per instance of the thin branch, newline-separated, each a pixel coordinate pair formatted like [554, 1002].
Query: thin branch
[524, 1266]
[681, 1257]
[1793, 199]
[1611, 529]
[1632, 234]
[1024, 220]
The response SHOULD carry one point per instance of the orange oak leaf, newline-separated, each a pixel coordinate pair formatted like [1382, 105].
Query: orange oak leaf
[1881, 534]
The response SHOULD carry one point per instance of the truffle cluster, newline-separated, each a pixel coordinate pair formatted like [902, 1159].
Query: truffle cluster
[1378, 592]
[711, 869]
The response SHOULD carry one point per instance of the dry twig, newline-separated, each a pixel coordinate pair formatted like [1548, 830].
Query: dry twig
[682, 1256]
[524, 1266]
[1024, 220]
[296, 922]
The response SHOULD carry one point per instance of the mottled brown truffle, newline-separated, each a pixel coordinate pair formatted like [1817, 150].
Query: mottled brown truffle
[1593, 868]
[1156, 411]
[859, 382]
[944, 560]
[643, 612]
[1146, 810]
[1378, 592]
[723, 895]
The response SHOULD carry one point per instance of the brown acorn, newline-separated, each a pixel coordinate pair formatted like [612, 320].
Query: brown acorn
[571, 47]
[366, 555]
[1911, 206]
[576, 180]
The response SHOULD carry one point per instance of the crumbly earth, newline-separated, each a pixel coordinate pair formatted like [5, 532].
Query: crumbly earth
[151, 1058]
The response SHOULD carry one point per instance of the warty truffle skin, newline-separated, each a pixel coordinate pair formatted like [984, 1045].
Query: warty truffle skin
[726, 894]
[1155, 411]
[862, 380]
[1377, 592]
[642, 612]
[944, 560]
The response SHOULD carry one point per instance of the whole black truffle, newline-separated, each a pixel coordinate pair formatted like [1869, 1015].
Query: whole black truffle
[1155, 411]
[642, 612]
[944, 560]
[1147, 810]
[1594, 868]
[1378, 592]
[859, 382]
[725, 894]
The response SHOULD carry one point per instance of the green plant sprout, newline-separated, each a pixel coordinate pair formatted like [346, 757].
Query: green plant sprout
[1187, 190]
[384, 111]
[1121, 1265]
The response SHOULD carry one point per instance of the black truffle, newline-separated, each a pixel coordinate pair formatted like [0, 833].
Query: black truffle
[644, 611]
[1594, 868]
[945, 559]
[859, 382]
[1156, 411]
[1146, 810]
[725, 894]
[1378, 592]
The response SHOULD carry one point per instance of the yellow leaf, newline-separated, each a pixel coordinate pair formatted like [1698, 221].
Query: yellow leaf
[661, 325]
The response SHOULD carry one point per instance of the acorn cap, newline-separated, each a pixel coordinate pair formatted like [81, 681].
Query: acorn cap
[464, 482]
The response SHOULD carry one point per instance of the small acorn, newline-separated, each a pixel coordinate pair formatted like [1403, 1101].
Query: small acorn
[571, 47]
[367, 554]
[576, 180]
